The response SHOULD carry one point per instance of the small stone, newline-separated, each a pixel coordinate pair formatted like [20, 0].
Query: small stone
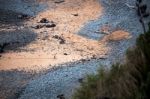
[44, 20]
[102, 58]
[65, 54]
[61, 96]
[94, 57]
[62, 41]
[2, 47]
[75, 14]
[80, 80]
[56, 37]
[50, 25]
[37, 26]
[59, 1]
[83, 60]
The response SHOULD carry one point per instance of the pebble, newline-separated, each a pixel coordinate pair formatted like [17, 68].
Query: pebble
[44, 20]
[59, 1]
[61, 96]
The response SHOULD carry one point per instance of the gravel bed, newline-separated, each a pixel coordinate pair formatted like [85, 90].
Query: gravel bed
[65, 80]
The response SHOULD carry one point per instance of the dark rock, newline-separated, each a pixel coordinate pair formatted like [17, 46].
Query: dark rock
[2, 47]
[94, 57]
[65, 54]
[80, 80]
[102, 58]
[39, 26]
[59, 1]
[61, 40]
[44, 20]
[50, 25]
[61, 96]
[56, 37]
[47, 25]
[75, 14]
[83, 60]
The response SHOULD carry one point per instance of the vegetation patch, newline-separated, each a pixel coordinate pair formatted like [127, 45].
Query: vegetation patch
[130, 80]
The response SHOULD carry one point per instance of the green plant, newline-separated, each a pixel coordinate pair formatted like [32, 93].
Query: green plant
[130, 80]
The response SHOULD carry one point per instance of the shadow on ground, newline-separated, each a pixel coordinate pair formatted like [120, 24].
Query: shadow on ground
[13, 34]
[8, 17]
[12, 83]
[30, 7]
[13, 40]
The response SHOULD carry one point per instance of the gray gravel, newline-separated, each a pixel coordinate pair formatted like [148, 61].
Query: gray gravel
[64, 80]
[60, 81]
[29, 7]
